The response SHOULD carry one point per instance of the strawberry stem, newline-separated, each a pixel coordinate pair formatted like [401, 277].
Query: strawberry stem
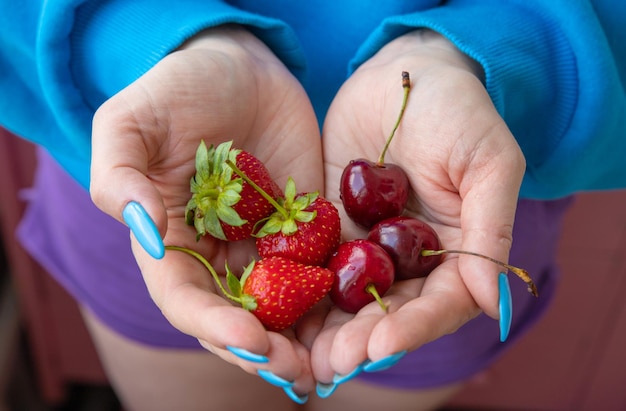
[203, 260]
[520, 272]
[406, 85]
[254, 185]
[371, 288]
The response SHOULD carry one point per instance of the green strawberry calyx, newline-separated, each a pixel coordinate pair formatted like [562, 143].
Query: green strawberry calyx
[214, 191]
[289, 210]
[235, 285]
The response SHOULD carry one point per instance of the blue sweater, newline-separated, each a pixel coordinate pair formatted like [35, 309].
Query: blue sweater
[555, 70]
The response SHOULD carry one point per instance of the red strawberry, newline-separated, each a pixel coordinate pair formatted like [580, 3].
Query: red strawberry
[279, 291]
[305, 228]
[222, 204]
[276, 290]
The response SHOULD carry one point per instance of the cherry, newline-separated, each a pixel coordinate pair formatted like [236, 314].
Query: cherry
[363, 272]
[414, 247]
[404, 238]
[373, 191]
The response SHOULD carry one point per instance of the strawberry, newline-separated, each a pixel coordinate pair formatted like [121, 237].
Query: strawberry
[305, 228]
[278, 291]
[222, 204]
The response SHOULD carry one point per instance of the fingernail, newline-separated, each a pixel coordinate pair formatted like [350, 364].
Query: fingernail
[340, 379]
[247, 355]
[144, 229]
[274, 379]
[325, 390]
[384, 363]
[300, 399]
[505, 306]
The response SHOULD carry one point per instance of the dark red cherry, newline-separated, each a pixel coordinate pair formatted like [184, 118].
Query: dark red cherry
[404, 239]
[363, 272]
[371, 192]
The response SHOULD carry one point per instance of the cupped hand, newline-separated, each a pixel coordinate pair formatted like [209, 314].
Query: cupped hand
[465, 170]
[222, 85]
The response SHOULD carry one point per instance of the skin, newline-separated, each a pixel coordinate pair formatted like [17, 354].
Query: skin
[465, 169]
[223, 84]
[464, 165]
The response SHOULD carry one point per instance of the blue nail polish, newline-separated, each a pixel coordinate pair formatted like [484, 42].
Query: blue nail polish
[274, 379]
[384, 363]
[247, 355]
[325, 390]
[505, 306]
[144, 229]
[300, 399]
[340, 379]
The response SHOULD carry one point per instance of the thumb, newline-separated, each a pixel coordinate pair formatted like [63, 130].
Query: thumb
[119, 184]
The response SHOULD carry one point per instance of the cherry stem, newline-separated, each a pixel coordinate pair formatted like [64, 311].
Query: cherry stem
[406, 85]
[371, 288]
[520, 272]
[209, 267]
[254, 185]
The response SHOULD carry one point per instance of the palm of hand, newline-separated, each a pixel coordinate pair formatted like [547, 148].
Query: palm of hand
[193, 95]
[454, 146]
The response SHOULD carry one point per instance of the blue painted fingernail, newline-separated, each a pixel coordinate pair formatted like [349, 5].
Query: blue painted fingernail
[384, 363]
[144, 229]
[300, 399]
[340, 379]
[274, 379]
[247, 355]
[325, 390]
[505, 306]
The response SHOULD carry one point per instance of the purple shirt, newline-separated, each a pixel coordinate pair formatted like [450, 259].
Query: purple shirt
[89, 253]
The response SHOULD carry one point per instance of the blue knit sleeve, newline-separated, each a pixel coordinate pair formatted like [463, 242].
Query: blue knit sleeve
[65, 58]
[555, 71]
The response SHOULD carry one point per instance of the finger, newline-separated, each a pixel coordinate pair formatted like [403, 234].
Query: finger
[487, 217]
[305, 382]
[312, 322]
[283, 359]
[185, 292]
[343, 345]
[119, 167]
[443, 307]
[322, 347]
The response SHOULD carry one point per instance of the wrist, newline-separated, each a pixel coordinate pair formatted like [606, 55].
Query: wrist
[235, 41]
[430, 48]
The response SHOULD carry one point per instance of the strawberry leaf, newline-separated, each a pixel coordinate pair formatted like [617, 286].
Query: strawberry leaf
[304, 200]
[190, 211]
[214, 191]
[246, 272]
[248, 302]
[305, 216]
[220, 156]
[229, 216]
[230, 196]
[272, 226]
[233, 282]
[285, 221]
[290, 193]
[211, 224]
[289, 227]
[202, 162]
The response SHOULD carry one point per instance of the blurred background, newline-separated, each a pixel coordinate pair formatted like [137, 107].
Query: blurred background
[574, 359]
